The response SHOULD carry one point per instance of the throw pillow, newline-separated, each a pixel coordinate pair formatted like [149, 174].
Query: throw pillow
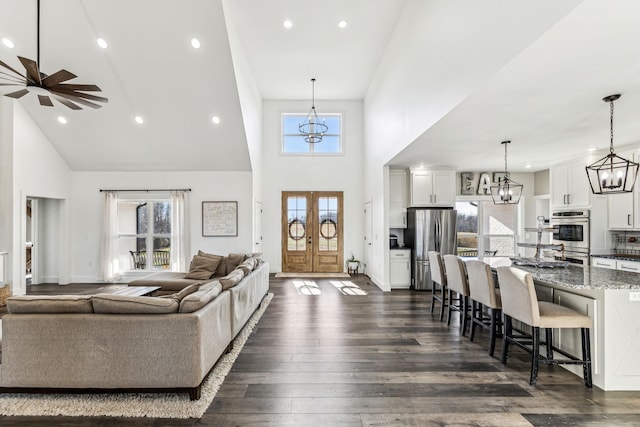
[233, 261]
[247, 265]
[202, 267]
[231, 279]
[178, 296]
[222, 266]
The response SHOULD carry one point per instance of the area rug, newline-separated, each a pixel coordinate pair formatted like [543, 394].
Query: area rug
[152, 405]
[319, 275]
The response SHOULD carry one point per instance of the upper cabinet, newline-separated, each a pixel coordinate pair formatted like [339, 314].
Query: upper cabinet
[569, 186]
[436, 188]
[624, 212]
[397, 198]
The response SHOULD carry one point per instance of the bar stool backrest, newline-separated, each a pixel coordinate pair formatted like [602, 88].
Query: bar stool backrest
[519, 299]
[437, 268]
[456, 276]
[482, 287]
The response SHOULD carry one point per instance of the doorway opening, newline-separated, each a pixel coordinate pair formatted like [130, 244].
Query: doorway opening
[312, 237]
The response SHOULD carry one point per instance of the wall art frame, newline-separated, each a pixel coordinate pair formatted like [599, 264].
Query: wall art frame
[219, 218]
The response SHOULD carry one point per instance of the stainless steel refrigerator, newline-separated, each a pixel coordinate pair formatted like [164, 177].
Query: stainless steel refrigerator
[428, 230]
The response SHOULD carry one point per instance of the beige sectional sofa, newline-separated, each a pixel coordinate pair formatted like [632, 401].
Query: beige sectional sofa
[110, 342]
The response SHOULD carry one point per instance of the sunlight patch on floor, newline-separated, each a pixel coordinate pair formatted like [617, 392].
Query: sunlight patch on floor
[347, 287]
[307, 287]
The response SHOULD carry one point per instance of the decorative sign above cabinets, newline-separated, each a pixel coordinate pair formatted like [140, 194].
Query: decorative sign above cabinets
[482, 187]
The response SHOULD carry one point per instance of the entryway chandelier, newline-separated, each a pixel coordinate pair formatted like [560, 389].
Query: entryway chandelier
[313, 129]
[506, 191]
[612, 173]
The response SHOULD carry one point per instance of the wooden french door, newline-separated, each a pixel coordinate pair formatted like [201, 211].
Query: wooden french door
[312, 227]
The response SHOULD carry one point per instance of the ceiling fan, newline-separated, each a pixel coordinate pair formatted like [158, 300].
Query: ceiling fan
[49, 86]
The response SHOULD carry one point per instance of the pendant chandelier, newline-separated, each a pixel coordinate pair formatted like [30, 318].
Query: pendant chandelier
[612, 173]
[506, 191]
[313, 129]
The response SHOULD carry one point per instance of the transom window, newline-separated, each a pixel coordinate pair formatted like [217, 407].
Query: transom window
[293, 141]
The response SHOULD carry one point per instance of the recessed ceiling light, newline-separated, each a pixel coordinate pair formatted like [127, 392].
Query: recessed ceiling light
[8, 43]
[528, 166]
[215, 120]
[287, 24]
[102, 43]
[592, 149]
[62, 120]
[139, 120]
[342, 23]
[195, 43]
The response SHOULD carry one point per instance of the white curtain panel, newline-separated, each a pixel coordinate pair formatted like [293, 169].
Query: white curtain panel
[180, 242]
[109, 263]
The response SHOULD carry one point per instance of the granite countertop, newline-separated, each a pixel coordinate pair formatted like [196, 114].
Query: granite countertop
[585, 277]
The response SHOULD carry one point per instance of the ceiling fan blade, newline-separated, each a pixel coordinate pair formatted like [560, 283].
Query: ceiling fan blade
[67, 102]
[65, 92]
[45, 100]
[18, 94]
[71, 86]
[76, 99]
[12, 69]
[58, 77]
[32, 69]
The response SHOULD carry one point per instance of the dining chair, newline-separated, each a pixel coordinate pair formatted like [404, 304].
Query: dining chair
[520, 302]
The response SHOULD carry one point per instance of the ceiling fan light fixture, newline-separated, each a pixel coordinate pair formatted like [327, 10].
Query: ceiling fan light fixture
[506, 191]
[612, 174]
[313, 129]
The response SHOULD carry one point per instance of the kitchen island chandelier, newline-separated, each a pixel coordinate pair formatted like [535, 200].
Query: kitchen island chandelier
[313, 129]
[506, 191]
[612, 173]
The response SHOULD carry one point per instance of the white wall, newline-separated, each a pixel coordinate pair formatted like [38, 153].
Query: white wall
[312, 173]
[87, 204]
[40, 172]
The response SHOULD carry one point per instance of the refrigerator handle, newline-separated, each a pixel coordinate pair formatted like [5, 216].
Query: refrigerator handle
[437, 234]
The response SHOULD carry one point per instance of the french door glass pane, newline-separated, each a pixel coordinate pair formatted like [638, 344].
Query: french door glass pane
[328, 223]
[297, 221]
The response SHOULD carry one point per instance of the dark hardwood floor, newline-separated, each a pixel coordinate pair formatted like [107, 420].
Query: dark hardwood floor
[355, 356]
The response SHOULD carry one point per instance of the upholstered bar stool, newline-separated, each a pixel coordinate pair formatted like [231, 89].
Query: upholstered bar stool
[439, 279]
[457, 282]
[484, 294]
[520, 302]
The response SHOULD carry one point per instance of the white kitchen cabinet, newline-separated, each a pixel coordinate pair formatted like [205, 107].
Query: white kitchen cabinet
[604, 263]
[632, 266]
[569, 186]
[620, 207]
[400, 268]
[432, 188]
[397, 199]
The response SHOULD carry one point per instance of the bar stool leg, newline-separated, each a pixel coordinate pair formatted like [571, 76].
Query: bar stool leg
[464, 318]
[474, 310]
[586, 357]
[535, 350]
[493, 333]
[508, 331]
[443, 302]
[450, 308]
[549, 338]
[433, 296]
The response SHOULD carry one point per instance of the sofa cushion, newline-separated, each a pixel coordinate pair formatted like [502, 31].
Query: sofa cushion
[203, 266]
[50, 304]
[121, 304]
[200, 298]
[178, 296]
[231, 279]
[258, 257]
[233, 261]
[222, 266]
[247, 265]
[168, 280]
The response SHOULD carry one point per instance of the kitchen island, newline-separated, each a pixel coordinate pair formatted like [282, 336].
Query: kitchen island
[612, 299]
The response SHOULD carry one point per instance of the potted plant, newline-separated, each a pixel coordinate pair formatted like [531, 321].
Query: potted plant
[352, 263]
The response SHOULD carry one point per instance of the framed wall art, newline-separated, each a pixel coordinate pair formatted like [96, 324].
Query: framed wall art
[219, 219]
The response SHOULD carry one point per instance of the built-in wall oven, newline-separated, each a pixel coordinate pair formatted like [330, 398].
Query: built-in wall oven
[571, 229]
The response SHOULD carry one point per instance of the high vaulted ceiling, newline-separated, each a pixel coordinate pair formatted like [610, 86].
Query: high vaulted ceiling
[545, 97]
